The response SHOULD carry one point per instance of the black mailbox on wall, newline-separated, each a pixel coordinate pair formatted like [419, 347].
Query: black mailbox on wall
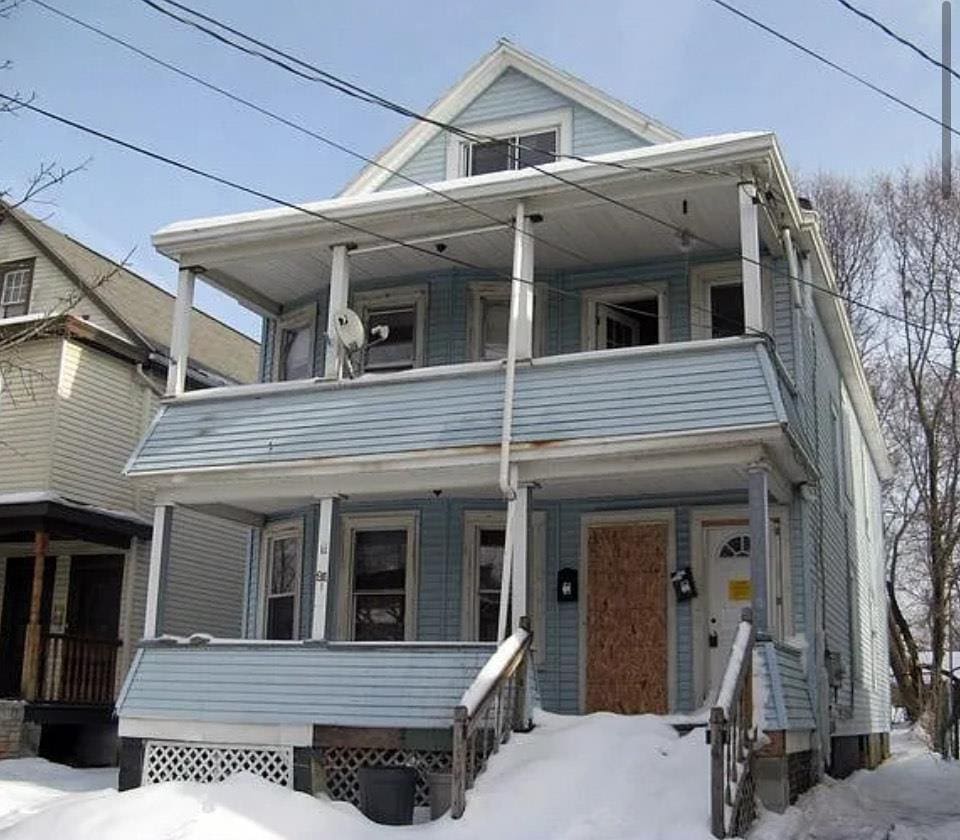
[567, 585]
[683, 586]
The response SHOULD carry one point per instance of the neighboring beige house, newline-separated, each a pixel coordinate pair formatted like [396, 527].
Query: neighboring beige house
[83, 361]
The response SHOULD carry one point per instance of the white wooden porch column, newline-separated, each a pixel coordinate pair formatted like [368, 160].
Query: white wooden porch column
[758, 497]
[750, 259]
[329, 507]
[339, 294]
[520, 550]
[180, 333]
[521, 298]
[159, 561]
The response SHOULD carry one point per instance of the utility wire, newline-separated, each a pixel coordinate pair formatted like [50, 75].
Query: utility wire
[834, 65]
[896, 37]
[219, 179]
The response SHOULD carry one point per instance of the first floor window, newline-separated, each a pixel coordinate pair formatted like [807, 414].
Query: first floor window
[381, 564]
[726, 309]
[16, 280]
[282, 582]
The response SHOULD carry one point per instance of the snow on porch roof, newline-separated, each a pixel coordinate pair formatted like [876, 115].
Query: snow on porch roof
[325, 684]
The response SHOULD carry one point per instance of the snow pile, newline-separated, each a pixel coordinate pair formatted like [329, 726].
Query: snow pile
[573, 778]
[28, 785]
[913, 796]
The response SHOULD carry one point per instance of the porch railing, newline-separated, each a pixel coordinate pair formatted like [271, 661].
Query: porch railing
[732, 736]
[77, 669]
[492, 707]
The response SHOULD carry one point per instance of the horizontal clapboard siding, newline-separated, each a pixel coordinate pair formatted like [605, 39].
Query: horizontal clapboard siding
[334, 685]
[787, 701]
[601, 395]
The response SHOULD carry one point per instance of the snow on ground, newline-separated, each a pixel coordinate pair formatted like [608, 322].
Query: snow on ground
[913, 796]
[573, 778]
[29, 785]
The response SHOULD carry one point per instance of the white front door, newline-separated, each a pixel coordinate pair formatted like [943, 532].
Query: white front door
[727, 553]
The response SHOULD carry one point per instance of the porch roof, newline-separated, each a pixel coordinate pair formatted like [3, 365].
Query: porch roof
[408, 685]
[602, 396]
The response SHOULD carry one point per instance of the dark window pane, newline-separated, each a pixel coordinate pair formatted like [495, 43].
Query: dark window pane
[726, 310]
[621, 332]
[380, 560]
[488, 617]
[490, 157]
[496, 321]
[537, 149]
[490, 558]
[648, 319]
[397, 352]
[280, 617]
[284, 562]
[378, 618]
[296, 352]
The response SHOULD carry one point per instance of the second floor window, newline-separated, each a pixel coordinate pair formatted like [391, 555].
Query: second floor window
[489, 321]
[516, 151]
[16, 280]
[403, 312]
[295, 359]
[726, 309]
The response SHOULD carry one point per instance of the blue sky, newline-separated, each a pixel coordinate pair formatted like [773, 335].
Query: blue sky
[685, 62]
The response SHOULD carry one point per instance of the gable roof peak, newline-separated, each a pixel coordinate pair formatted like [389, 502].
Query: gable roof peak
[505, 55]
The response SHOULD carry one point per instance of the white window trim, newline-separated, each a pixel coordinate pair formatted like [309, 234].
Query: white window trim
[351, 523]
[500, 291]
[399, 296]
[274, 531]
[473, 520]
[560, 119]
[305, 316]
[28, 265]
[618, 294]
[702, 279]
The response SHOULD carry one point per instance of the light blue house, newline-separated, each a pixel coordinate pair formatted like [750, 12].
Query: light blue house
[615, 357]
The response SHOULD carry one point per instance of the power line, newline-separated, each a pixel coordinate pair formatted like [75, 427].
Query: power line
[896, 37]
[834, 65]
[509, 223]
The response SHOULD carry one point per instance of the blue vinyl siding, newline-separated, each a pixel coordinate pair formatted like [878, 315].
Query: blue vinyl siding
[787, 700]
[514, 94]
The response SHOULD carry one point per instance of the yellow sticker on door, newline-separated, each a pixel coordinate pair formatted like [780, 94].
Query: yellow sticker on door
[739, 589]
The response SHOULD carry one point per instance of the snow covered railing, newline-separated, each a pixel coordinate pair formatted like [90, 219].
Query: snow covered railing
[732, 735]
[492, 707]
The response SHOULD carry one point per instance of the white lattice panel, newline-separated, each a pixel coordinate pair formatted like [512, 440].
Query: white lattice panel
[340, 765]
[175, 761]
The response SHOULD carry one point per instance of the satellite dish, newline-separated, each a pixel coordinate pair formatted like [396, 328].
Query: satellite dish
[350, 330]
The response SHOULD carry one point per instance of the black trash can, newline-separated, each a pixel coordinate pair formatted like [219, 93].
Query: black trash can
[387, 794]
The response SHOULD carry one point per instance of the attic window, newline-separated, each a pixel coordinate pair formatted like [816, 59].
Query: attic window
[16, 280]
[515, 151]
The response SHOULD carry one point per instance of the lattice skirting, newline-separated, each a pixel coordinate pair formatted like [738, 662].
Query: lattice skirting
[340, 765]
[173, 761]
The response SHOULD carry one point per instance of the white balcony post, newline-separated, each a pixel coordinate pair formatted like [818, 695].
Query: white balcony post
[321, 576]
[180, 333]
[520, 537]
[750, 259]
[758, 498]
[521, 297]
[338, 297]
[159, 561]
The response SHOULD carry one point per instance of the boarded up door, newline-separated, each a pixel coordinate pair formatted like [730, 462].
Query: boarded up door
[627, 648]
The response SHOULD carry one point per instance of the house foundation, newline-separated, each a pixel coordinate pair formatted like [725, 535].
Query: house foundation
[19, 738]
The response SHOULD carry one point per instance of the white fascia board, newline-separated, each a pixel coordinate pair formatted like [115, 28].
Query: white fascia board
[223, 231]
[478, 79]
[215, 732]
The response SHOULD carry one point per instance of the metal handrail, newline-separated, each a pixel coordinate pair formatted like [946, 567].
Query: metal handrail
[492, 707]
[732, 735]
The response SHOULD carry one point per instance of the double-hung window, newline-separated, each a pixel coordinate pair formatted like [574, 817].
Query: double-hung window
[489, 326]
[631, 315]
[378, 603]
[403, 312]
[283, 557]
[295, 346]
[16, 281]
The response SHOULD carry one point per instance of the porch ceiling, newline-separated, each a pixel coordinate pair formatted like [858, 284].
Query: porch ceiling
[579, 232]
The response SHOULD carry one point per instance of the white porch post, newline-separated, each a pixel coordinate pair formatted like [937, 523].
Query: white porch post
[750, 259]
[758, 497]
[520, 537]
[339, 294]
[321, 578]
[180, 333]
[521, 298]
[159, 561]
